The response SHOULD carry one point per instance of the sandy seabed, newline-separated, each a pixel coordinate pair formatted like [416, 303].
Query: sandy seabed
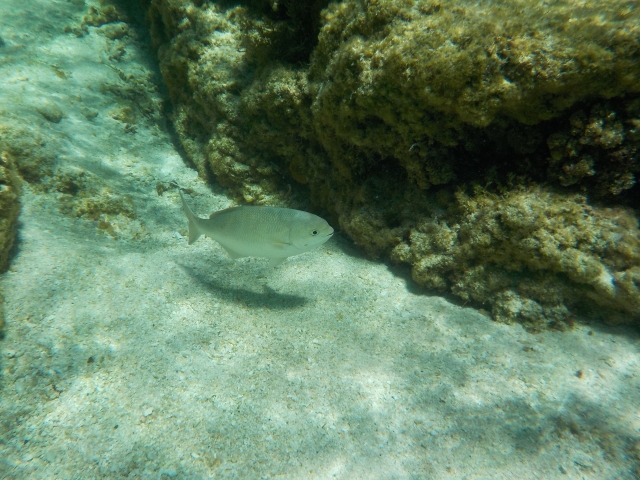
[129, 354]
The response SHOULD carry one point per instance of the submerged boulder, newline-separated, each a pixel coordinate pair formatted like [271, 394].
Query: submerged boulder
[9, 205]
[9, 210]
[384, 113]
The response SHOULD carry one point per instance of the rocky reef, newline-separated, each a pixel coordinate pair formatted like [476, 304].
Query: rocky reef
[9, 205]
[9, 209]
[531, 254]
[30, 150]
[492, 146]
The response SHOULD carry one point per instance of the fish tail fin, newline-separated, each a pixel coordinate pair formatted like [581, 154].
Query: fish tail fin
[194, 231]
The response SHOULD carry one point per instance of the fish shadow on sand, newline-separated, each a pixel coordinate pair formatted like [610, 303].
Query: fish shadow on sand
[268, 298]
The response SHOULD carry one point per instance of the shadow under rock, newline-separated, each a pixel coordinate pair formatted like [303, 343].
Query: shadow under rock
[512, 426]
[269, 298]
[15, 249]
[631, 331]
[403, 272]
[347, 246]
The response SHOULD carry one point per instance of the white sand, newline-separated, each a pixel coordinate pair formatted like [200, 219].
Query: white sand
[143, 357]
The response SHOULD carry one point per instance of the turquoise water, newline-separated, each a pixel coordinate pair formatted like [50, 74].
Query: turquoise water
[128, 353]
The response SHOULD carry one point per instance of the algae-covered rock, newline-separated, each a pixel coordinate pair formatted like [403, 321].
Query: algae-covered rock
[9, 206]
[234, 120]
[426, 87]
[1, 317]
[599, 148]
[387, 108]
[469, 62]
[81, 193]
[31, 156]
[9, 210]
[531, 255]
[435, 86]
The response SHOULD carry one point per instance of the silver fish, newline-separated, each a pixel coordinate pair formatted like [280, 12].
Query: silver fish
[269, 232]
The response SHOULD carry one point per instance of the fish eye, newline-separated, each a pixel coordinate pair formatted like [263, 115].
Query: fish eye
[314, 232]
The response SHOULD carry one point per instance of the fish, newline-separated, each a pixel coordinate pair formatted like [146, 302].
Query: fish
[266, 232]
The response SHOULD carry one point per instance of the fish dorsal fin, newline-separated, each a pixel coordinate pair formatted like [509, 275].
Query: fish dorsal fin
[232, 254]
[274, 262]
[226, 210]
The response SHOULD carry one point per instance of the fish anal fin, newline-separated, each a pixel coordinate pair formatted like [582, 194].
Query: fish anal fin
[274, 262]
[232, 254]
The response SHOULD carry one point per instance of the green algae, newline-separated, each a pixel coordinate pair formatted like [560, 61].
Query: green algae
[80, 193]
[401, 104]
[10, 190]
[28, 156]
[32, 158]
[599, 148]
[9, 206]
[531, 255]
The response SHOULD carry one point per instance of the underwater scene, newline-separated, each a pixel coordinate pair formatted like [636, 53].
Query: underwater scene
[287, 239]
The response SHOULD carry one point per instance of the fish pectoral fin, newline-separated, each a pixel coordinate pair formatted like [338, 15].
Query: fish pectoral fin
[232, 254]
[274, 262]
[280, 245]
